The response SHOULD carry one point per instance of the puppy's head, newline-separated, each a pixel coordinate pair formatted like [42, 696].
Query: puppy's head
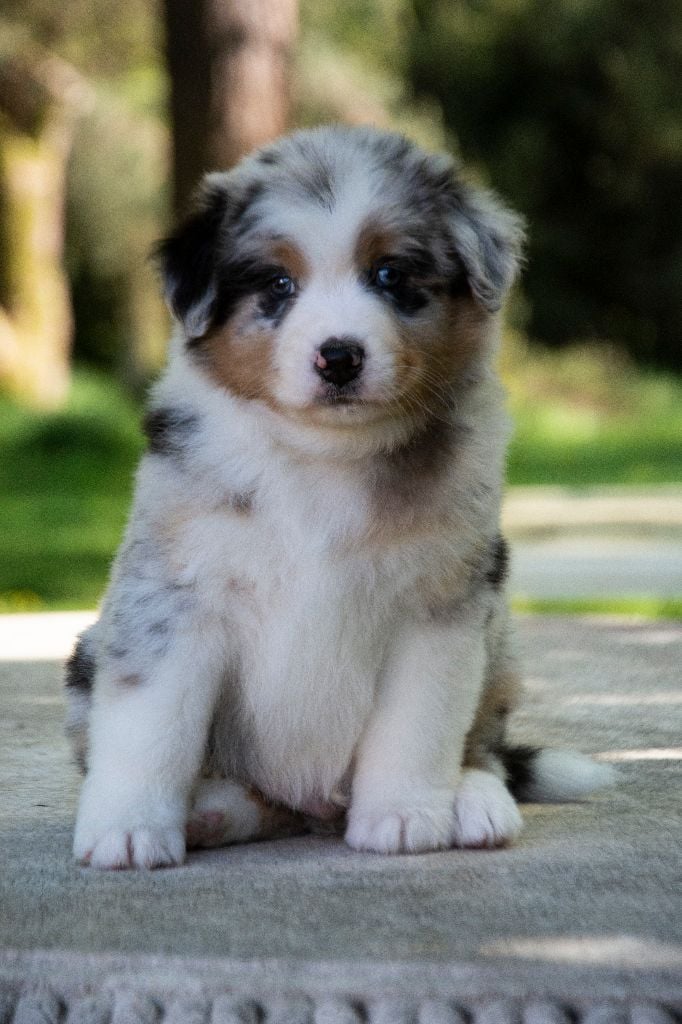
[342, 277]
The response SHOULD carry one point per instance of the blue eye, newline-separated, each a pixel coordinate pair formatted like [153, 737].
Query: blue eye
[387, 276]
[282, 286]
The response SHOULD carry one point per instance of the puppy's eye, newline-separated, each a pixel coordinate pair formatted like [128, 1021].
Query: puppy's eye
[282, 286]
[387, 276]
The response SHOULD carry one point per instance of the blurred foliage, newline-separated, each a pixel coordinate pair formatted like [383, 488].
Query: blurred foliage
[352, 65]
[115, 42]
[574, 108]
[570, 108]
[587, 415]
[116, 191]
[116, 204]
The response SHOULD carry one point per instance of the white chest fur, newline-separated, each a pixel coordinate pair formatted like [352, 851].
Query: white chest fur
[310, 653]
[306, 619]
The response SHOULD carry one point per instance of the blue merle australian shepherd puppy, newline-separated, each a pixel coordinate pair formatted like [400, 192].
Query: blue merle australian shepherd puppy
[306, 621]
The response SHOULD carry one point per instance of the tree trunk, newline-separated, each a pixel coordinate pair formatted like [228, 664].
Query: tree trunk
[39, 97]
[229, 64]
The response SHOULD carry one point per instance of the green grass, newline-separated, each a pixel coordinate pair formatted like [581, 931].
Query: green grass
[555, 446]
[637, 607]
[586, 416]
[583, 418]
[65, 487]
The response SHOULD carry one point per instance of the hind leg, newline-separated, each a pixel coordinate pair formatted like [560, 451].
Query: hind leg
[486, 814]
[79, 678]
[500, 695]
[224, 812]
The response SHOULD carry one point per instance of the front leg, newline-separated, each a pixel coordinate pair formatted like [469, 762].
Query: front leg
[148, 727]
[409, 792]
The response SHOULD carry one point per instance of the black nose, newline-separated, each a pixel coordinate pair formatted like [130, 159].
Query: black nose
[339, 360]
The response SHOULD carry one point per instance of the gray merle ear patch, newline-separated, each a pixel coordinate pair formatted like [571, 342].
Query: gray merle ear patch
[488, 240]
[188, 260]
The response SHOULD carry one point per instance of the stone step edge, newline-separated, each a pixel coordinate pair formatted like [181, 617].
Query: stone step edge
[130, 1008]
[71, 975]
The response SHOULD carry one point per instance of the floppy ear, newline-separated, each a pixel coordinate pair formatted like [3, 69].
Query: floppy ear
[488, 240]
[188, 259]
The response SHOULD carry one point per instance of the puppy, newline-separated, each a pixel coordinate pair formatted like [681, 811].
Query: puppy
[305, 625]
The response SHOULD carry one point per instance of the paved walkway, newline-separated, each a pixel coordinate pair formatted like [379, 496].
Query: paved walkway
[579, 921]
[540, 510]
[588, 566]
[600, 543]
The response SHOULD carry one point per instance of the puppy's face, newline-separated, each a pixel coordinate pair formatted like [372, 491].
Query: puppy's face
[341, 277]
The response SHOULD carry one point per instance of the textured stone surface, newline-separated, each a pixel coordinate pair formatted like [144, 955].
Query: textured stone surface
[128, 1007]
[590, 886]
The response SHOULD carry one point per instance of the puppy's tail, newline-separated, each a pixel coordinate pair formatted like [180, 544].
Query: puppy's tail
[541, 775]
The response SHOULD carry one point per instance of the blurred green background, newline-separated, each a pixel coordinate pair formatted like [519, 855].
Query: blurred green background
[571, 109]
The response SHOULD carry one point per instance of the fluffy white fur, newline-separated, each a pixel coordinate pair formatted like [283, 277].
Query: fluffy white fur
[336, 657]
[566, 775]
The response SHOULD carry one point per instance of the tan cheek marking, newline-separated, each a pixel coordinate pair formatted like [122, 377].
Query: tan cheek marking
[467, 335]
[241, 360]
[431, 364]
[239, 355]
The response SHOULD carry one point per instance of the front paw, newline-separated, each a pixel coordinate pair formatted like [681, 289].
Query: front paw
[413, 825]
[486, 814]
[141, 847]
[119, 828]
[479, 813]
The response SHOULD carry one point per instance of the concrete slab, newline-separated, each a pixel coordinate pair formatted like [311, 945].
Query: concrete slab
[541, 510]
[600, 542]
[584, 911]
[584, 566]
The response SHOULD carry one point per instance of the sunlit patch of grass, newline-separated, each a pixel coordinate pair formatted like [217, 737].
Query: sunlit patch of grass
[586, 416]
[65, 488]
[21, 601]
[644, 607]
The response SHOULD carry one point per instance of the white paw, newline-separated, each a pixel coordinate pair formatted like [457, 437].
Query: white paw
[479, 813]
[415, 826]
[119, 827]
[485, 813]
[134, 848]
